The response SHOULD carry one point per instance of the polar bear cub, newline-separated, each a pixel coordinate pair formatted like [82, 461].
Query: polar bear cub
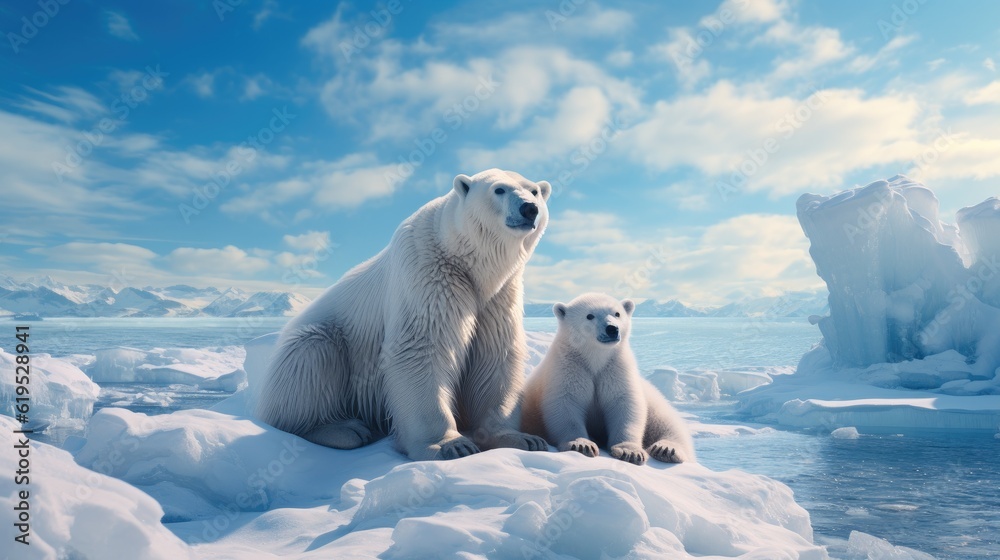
[587, 391]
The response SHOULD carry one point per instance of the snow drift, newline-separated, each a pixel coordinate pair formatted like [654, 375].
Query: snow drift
[913, 334]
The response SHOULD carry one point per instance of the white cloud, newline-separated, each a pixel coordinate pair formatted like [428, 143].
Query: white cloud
[308, 242]
[267, 11]
[990, 65]
[989, 94]
[119, 26]
[101, 257]
[68, 104]
[396, 91]
[226, 262]
[864, 63]
[337, 185]
[203, 84]
[814, 47]
[580, 117]
[684, 53]
[819, 138]
[752, 255]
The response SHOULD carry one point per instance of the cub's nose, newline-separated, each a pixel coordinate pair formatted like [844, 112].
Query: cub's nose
[529, 210]
[612, 331]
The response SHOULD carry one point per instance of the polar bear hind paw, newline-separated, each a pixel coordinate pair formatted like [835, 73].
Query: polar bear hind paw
[519, 440]
[630, 453]
[581, 445]
[346, 434]
[667, 452]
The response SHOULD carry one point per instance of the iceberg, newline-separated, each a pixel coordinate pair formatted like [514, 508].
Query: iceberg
[913, 335]
[61, 394]
[208, 368]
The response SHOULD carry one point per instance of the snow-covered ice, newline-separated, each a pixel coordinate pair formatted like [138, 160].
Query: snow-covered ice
[862, 546]
[233, 487]
[79, 513]
[913, 335]
[61, 395]
[208, 368]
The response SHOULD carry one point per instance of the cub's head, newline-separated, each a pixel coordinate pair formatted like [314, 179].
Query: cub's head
[595, 321]
[504, 203]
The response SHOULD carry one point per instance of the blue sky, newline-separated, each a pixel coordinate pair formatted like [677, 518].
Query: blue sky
[272, 145]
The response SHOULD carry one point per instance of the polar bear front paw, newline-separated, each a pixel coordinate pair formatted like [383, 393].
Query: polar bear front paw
[581, 445]
[666, 451]
[457, 448]
[630, 453]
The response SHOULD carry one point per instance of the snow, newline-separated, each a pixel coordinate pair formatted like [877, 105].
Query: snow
[234, 487]
[61, 395]
[79, 513]
[231, 487]
[208, 368]
[913, 336]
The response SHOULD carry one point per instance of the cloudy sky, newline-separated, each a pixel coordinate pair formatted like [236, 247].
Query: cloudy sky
[266, 144]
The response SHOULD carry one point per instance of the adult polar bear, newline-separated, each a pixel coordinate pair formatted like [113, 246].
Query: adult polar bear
[425, 339]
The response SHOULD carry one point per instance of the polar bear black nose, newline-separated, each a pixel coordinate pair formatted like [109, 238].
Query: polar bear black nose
[529, 210]
[611, 330]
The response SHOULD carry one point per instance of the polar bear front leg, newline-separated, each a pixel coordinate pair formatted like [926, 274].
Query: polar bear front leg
[494, 377]
[624, 408]
[421, 370]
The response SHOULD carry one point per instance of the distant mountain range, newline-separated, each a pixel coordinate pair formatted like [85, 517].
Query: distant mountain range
[47, 298]
[789, 304]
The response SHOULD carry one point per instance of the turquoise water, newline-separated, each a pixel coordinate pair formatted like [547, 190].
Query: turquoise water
[933, 492]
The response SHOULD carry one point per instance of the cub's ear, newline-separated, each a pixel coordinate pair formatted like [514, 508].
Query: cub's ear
[462, 184]
[629, 306]
[545, 188]
[559, 310]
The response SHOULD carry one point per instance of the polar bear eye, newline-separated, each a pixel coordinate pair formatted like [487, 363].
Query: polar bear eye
[590, 316]
[499, 191]
[617, 314]
[534, 193]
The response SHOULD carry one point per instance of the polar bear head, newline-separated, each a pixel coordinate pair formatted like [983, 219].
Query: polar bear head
[594, 323]
[504, 203]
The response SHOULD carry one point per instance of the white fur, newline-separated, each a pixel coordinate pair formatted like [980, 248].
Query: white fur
[425, 339]
[587, 392]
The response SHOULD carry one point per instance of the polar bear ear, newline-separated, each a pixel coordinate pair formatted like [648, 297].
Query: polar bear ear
[559, 310]
[462, 184]
[629, 306]
[545, 188]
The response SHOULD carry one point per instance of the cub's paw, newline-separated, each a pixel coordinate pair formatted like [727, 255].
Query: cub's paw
[457, 448]
[629, 452]
[667, 451]
[581, 445]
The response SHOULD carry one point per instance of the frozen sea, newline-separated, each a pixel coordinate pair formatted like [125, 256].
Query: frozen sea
[936, 493]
